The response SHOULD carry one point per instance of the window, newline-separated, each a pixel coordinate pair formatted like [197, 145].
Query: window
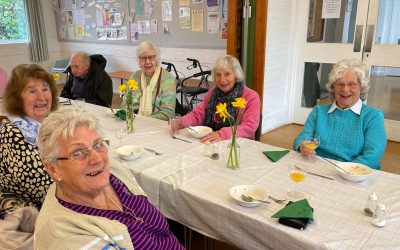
[13, 24]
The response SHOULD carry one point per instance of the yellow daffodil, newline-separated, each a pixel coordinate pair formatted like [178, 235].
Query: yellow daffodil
[132, 84]
[221, 110]
[56, 76]
[122, 88]
[239, 102]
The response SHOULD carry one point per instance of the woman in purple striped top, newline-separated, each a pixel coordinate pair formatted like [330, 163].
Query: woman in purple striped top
[94, 203]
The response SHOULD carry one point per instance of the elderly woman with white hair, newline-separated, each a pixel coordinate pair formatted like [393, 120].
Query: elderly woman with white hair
[157, 86]
[349, 130]
[94, 203]
[228, 75]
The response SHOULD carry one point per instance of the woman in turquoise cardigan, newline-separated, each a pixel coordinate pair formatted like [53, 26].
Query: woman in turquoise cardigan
[349, 130]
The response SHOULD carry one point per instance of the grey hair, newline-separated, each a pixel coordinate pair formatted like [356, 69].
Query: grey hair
[85, 56]
[62, 124]
[228, 61]
[343, 66]
[146, 46]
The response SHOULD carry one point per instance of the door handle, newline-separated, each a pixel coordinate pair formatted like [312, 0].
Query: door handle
[368, 38]
[358, 38]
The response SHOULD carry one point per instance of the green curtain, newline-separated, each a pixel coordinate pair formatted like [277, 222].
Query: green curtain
[38, 50]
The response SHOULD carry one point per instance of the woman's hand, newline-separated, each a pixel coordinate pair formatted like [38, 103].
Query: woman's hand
[175, 124]
[211, 137]
[306, 152]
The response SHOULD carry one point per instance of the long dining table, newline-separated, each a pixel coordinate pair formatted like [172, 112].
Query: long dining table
[193, 189]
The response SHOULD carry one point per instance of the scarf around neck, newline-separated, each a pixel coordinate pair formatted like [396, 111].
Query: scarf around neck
[28, 127]
[146, 102]
[218, 96]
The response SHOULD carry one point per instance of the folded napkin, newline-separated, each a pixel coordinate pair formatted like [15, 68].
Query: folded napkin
[121, 113]
[298, 209]
[295, 214]
[276, 155]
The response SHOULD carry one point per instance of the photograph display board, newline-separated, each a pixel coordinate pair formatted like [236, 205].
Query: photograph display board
[167, 23]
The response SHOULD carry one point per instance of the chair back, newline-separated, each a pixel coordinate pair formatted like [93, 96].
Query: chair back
[3, 81]
[258, 131]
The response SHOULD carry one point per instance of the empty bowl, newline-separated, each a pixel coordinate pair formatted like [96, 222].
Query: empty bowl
[356, 171]
[255, 192]
[129, 152]
[199, 131]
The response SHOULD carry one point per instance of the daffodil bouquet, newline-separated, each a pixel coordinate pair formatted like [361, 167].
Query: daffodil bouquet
[233, 147]
[130, 95]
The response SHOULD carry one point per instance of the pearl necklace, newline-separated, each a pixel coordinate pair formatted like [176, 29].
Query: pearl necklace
[127, 210]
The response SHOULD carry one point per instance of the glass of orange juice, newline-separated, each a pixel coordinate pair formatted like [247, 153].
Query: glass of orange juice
[312, 143]
[296, 174]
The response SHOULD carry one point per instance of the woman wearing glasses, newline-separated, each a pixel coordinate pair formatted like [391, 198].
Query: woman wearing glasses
[158, 86]
[349, 130]
[94, 203]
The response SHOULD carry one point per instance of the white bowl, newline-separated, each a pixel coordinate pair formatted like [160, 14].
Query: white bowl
[357, 171]
[201, 131]
[251, 190]
[129, 152]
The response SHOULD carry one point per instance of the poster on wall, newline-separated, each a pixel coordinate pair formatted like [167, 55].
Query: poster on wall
[197, 20]
[166, 11]
[184, 17]
[213, 22]
[101, 34]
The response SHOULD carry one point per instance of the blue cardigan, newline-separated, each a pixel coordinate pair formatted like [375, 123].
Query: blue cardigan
[347, 136]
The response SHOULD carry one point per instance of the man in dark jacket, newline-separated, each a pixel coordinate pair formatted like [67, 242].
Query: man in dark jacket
[87, 79]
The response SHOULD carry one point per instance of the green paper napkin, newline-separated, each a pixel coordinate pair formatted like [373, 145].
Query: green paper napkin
[276, 155]
[300, 210]
[121, 114]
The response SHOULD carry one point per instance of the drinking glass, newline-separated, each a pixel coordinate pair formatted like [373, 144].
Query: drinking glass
[173, 121]
[312, 143]
[296, 174]
[120, 134]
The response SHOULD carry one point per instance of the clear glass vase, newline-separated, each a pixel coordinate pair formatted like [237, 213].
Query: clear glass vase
[130, 120]
[233, 155]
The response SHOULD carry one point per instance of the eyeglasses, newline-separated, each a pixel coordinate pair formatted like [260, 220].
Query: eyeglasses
[350, 85]
[144, 58]
[99, 146]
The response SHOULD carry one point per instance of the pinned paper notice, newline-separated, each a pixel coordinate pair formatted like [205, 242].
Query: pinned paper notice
[331, 8]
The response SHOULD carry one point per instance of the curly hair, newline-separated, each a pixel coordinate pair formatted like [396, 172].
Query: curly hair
[343, 66]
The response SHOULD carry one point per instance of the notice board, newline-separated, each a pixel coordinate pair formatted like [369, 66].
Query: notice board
[167, 23]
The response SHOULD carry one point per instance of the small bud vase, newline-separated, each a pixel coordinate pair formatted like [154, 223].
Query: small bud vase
[233, 155]
[130, 120]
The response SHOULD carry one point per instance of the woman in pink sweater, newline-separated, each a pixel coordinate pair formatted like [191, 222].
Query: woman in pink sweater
[228, 75]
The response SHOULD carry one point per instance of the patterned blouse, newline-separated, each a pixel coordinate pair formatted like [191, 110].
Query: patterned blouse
[151, 233]
[23, 180]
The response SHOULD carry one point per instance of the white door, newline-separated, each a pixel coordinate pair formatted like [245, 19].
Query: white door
[368, 30]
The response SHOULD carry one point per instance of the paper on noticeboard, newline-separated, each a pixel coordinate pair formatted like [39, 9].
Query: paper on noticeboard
[166, 8]
[184, 17]
[331, 8]
[197, 20]
[213, 22]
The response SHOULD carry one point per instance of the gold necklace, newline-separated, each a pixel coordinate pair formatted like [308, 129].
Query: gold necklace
[128, 210]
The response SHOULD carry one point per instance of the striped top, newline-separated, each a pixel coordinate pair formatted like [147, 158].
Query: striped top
[152, 233]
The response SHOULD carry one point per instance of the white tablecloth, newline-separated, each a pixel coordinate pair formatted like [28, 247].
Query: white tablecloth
[193, 189]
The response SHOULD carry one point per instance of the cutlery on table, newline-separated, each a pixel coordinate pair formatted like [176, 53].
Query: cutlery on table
[153, 151]
[248, 198]
[66, 102]
[334, 164]
[312, 173]
[174, 137]
[112, 110]
[276, 200]
[194, 130]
